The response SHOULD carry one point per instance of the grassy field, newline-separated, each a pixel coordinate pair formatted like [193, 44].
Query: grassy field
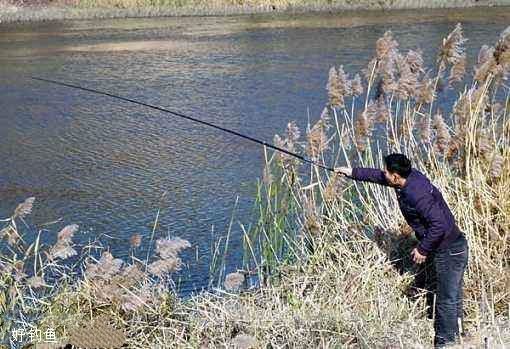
[327, 263]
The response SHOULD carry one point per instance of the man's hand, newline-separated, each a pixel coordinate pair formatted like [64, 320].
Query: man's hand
[346, 171]
[418, 258]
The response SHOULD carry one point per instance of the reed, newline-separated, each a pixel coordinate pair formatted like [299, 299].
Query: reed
[327, 261]
[18, 11]
[346, 271]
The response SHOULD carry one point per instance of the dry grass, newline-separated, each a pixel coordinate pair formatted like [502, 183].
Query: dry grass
[21, 11]
[331, 257]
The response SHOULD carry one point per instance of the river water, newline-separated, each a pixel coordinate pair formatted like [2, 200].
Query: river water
[109, 166]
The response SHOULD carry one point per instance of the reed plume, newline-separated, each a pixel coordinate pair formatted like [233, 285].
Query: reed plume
[293, 134]
[169, 261]
[312, 221]
[458, 70]
[171, 247]
[484, 146]
[408, 80]
[414, 60]
[105, 268]
[494, 61]
[425, 130]
[424, 92]
[234, 281]
[317, 139]
[344, 84]
[131, 302]
[267, 175]
[455, 146]
[452, 49]
[485, 54]
[486, 63]
[363, 125]
[334, 188]
[496, 169]
[67, 233]
[243, 341]
[334, 94]
[382, 112]
[289, 143]
[387, 57]
[443, 137]
[24, 209]
[10, 234]
[371, 67]
[19, 270]
[502, 50]
[162, 267]
[63, 248]
[386, 49]
[357, 85]
[36, 282]
[339, 87]
[135, 240]
[279, 142]
[133, 272]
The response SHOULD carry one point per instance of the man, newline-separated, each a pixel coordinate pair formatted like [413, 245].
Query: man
[440, 240]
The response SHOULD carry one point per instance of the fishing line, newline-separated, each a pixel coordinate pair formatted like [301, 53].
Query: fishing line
[269, 145]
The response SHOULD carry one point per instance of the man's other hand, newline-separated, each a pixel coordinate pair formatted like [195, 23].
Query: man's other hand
[418, 258]
[346, 171]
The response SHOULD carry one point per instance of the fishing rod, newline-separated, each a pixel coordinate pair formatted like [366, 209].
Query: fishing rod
[269, 145]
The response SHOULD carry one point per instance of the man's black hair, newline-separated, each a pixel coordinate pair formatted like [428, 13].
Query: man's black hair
[398, 163]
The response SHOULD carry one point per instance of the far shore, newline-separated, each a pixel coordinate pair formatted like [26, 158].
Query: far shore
[10, 13]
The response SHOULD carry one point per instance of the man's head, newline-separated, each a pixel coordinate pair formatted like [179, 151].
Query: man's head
[398, 168]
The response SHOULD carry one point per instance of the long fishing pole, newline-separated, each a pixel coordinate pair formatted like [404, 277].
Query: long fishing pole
[269, 145]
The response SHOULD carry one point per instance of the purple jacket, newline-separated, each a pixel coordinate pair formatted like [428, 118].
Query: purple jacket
[422, 206]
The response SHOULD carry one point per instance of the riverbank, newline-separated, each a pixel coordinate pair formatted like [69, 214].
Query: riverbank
[14, 11]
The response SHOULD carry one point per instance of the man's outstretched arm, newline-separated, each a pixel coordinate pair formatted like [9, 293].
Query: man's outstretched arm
[364, 174]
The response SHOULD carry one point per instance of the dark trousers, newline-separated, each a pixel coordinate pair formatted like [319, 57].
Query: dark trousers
[442, 276]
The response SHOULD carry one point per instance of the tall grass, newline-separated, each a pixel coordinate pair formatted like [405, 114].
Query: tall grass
[282, 4]
[357, 235]
[329, 258]
[15, 11]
